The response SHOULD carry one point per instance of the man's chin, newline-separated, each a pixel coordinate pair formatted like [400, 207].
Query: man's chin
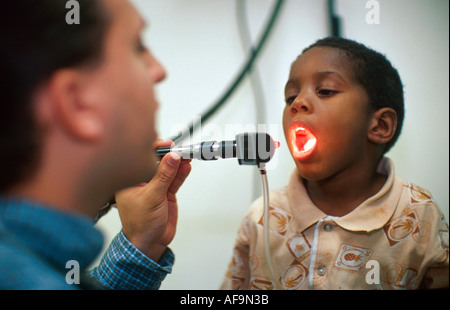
[153, 166]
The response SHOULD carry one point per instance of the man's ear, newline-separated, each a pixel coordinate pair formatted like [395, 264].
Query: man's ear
[73, 112]
[383, 126]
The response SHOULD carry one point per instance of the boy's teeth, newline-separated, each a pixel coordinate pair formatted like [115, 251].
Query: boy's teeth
[300, 131]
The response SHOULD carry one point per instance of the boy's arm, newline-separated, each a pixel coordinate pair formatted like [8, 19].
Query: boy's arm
[237, 276]
[437, 274]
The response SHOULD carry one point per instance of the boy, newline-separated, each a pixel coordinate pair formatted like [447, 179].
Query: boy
[345, 221]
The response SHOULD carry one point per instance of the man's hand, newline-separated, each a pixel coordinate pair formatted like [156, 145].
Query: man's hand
[149, 212]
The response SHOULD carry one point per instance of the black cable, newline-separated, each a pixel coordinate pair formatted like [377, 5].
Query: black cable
[237, 81]
[334, 20]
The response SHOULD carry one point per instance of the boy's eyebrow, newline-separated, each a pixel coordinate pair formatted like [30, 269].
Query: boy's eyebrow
[320, 74]
[333, 73]
[289, 83]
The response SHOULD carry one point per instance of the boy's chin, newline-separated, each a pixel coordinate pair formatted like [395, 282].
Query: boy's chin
[309, 171]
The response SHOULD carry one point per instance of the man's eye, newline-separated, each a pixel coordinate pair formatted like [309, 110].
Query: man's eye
[140, 47]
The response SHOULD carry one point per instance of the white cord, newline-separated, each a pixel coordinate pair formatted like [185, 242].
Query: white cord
[265, 187]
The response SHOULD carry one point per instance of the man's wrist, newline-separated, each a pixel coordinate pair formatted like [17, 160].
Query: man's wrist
[149, 248]
[124, 266]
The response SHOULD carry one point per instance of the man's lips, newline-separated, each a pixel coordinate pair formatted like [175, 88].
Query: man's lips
[302, 140]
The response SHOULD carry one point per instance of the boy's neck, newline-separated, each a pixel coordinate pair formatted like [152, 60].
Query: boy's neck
[341, 194]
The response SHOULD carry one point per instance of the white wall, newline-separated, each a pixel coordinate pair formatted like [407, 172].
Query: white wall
[198, 43]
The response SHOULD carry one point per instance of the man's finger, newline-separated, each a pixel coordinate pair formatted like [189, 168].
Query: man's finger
[183, 172]
[165, 174]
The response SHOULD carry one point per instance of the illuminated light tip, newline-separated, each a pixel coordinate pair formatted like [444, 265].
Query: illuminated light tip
[277, 144]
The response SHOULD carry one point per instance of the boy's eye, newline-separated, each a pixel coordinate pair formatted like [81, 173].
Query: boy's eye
[290, 100]
[326, 92]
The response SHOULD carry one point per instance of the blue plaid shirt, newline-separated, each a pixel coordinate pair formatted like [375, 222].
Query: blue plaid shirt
[36, 243]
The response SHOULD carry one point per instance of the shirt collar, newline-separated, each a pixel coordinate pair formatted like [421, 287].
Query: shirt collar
[56, 236]
[371, 215]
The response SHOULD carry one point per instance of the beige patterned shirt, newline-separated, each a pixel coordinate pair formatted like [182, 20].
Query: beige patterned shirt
[397, 239]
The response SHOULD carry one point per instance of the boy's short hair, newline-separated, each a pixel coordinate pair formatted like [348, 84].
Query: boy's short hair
[35, 42]
[377, 75]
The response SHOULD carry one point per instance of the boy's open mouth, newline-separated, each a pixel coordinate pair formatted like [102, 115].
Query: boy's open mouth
[303, 141]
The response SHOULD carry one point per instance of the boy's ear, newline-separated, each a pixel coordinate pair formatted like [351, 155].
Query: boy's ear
[78, 117]
[382, 126]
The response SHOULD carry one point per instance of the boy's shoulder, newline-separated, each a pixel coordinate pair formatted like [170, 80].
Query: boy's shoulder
[278, 198]
[417, 197]
[417, 204]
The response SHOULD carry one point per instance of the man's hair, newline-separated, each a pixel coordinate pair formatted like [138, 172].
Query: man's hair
[377, 75]
[35, 42]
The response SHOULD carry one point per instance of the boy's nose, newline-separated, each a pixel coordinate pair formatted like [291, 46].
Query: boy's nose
[300, 105]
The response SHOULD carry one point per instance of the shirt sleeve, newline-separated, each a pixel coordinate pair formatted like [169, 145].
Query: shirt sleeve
[437, 254]
[124, 267]
[237, 276]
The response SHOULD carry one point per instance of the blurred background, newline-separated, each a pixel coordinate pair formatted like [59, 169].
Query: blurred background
[203, 44]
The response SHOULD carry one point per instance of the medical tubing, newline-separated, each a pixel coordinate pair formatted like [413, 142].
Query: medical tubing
[244, 71]
[267, 253]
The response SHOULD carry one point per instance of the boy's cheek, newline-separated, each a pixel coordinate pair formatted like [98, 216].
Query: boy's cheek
[286, 121]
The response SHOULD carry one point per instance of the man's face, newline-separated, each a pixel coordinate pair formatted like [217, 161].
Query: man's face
[124, 83]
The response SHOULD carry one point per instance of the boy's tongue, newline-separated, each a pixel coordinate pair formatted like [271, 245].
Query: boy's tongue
[304, 139]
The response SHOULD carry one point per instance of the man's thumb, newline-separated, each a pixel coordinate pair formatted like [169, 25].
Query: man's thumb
[167, 170]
